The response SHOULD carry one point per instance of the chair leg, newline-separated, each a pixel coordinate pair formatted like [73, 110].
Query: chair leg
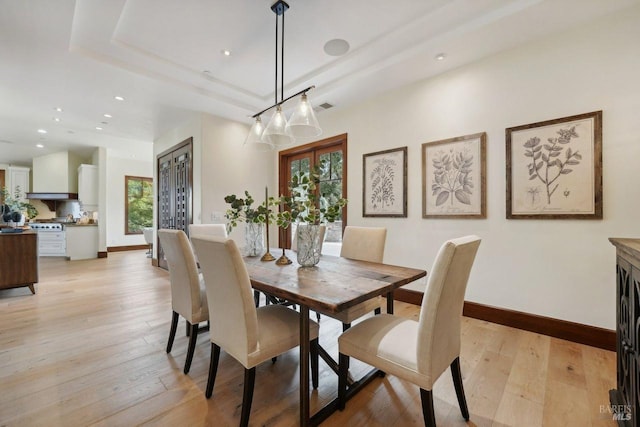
[427, 408]
[343, 371]
[188, 331]
[457, 383]
[213, 369]
[318, 317]
[377, 311]
[172, 332]
[247, 395]
[192, 346]
[314, 355]
[345, 326]
[256, 298]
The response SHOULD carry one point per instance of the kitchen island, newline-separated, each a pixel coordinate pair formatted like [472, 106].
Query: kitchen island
[19, 260]
[82, 241]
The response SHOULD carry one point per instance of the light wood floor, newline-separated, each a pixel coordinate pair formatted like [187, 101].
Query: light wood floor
[89, 349]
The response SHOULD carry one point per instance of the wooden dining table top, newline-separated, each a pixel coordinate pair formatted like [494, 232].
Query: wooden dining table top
[333, 285]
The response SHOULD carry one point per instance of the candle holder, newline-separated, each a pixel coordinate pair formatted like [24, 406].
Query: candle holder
[267, 256]
[283, 260]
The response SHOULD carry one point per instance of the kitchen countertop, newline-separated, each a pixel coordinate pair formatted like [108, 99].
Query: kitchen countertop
[73, 224]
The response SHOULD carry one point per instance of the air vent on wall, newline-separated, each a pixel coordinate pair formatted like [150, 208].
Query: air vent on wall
[326, 106]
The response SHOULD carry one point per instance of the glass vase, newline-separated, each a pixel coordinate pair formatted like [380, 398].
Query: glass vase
[308, 236]
[253, 245]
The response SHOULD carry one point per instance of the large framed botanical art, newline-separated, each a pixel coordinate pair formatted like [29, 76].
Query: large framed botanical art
[554, 168]
[453, 177]
[384, 178]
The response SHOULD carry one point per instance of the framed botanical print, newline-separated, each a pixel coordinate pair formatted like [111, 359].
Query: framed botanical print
[554, 168]
[384, 180]
[453, 177]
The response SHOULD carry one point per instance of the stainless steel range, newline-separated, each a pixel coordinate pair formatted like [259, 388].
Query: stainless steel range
[51, 239]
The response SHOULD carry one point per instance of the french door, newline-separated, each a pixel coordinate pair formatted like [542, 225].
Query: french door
[175, 182]
[333, 178]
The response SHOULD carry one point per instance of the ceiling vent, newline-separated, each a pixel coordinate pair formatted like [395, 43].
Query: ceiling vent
[322, 107]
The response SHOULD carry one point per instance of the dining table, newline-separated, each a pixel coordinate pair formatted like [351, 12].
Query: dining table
[331, 286]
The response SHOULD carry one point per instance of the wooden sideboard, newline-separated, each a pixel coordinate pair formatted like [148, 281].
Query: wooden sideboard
[625, 398]
[19, 260]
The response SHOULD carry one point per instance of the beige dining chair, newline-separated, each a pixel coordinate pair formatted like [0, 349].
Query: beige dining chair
[364, 244]
[250, 334]
[207, 230]
[419, 351]
[188, 297]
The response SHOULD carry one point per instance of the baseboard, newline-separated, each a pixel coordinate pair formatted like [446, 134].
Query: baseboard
[154, 262]
[126, 248]
[102, 254]
[570, 331]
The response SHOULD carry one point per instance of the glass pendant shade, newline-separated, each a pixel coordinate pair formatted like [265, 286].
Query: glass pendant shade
[303, 122]
[276, 132]
[254, 140]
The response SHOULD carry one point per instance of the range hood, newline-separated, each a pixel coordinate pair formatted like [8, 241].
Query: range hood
[53, 196]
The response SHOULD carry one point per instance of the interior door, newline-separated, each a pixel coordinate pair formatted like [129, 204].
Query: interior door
[175, 183]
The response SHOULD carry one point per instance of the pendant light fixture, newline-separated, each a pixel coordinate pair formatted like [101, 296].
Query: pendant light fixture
[279, 131]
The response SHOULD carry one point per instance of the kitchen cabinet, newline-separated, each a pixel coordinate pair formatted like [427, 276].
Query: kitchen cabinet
[18, 178]
[82, 241]
[19, 260]
[88, 187]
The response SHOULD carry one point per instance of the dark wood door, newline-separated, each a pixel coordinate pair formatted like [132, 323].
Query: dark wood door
[175, 183]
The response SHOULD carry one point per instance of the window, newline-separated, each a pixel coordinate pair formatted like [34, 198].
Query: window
[138, 204]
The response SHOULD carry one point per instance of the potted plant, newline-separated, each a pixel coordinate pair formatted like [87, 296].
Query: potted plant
[14, 210]
[304, 207]
[242, 210]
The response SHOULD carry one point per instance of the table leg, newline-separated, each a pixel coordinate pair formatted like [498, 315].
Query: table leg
[304, 366]
[390, 302]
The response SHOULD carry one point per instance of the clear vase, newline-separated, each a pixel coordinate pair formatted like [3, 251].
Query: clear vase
[253, 245]
[308, 236]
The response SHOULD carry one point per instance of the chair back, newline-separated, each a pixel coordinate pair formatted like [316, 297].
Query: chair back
[441, 311]
[364, 243]
[183, 274]
[219, 230]
[147, 232]
[232, 313]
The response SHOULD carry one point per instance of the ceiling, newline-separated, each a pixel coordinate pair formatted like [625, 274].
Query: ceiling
[165, 58]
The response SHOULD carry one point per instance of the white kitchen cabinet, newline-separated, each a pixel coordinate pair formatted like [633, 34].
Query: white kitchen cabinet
[82, 241]
[88, 187]
[18, 178]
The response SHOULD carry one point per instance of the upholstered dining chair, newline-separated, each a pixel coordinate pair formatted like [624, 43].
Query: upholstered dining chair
[207, 230]
[188, 298]
[250, 334]
[364, 244]
[419, 351]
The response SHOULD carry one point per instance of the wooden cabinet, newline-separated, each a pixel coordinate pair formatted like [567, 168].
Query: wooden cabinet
[88, 187]
[625, 398]
[19, 260]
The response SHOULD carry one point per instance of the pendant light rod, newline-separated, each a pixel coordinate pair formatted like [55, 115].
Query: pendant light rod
[283, 101]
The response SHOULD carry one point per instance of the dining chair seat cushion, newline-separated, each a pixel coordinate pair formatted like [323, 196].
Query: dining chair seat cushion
[357, 311]
[390, 343]
[278, 331]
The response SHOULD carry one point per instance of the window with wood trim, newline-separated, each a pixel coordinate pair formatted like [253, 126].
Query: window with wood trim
[333, 180]
[138, 204]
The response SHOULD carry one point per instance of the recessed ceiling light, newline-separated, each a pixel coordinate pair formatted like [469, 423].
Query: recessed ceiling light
[59, 109]
[226, 52]
[70, 131]
[98, 128]
[56, 119]
[39, 145]
[118, 98]
[105, 123]
[42, 131]
[336, 47]
[107, 115]
[441, 56]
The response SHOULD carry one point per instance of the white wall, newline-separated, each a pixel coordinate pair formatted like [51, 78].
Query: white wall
[117, 169]
[558, 268]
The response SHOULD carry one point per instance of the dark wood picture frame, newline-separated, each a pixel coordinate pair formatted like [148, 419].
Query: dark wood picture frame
[554, 168]
[382, 173]
[464, 196]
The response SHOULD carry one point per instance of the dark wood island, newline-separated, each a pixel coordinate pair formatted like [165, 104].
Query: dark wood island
[19, 260]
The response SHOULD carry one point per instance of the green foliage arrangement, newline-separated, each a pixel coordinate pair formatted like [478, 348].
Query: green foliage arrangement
[15, 205]
[303, 204]
[242, 210]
